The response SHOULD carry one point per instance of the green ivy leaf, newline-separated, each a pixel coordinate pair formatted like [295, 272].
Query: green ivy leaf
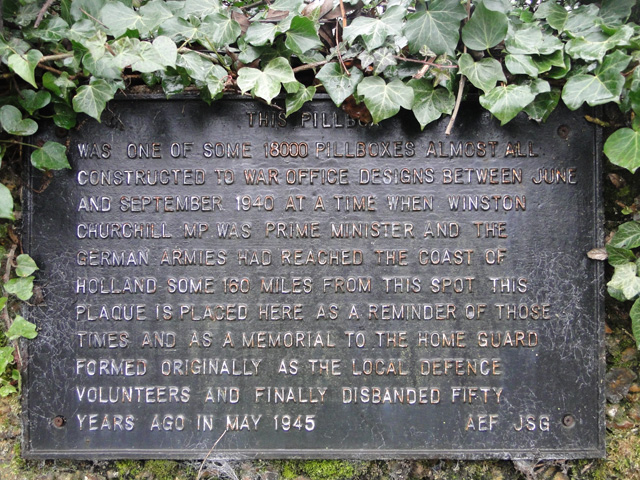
[625, 280]
[119, 18]
[167, 51]
[6, 203]
[615, 11]
[374, 31]
[503, 6]
[582, 21]
[302, 36]
[623, 149]
[555, 14]
[20, 287]
[483, 74]
[506, 102]
[594, 46]
[92, 99]
[266, 84]
[295, 101]
[430, 103]
[543, 105]
[603, 87]
[13, 123]
[288, 5]
[437, 28]
[259, 34]
[337, 83]
[201, 8]
[524, 40]
[32, 101]
[219, 30]
[627, 236]
[25, 65]
[6, 357]
[60, 86]
[384, 100]
[521, 65]
[21, 328]
[64, 116]
[619, 256]
[51, 156]
[634, 314]
[25, 266]
[485, 28]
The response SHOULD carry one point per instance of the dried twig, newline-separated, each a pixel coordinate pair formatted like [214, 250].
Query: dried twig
[344, 67]
[309, 66]
[428, 63]
[209, 453]
[344, 14]
[463, 79]
[42, 11]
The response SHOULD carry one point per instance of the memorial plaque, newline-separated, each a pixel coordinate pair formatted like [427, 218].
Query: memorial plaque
[314, 287]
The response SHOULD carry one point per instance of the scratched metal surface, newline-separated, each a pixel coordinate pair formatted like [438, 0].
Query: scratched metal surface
[557, 383]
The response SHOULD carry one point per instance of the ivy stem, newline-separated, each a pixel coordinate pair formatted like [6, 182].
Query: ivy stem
[309, 66]
[42, 11]
[463, 79]
[424, 62]
[344, 67]
[16, 142]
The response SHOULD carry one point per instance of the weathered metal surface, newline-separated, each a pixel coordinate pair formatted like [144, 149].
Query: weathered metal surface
[316, 288]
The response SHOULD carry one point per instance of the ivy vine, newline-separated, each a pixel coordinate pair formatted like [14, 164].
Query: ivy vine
[61, 58]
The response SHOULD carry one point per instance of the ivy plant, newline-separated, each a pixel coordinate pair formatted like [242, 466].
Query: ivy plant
[21, 286]
[62, 58]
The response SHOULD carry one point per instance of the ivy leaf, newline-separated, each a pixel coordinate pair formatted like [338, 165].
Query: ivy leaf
[437, 28]
[543, 105]
[506, 102]
[555, 14]
[521, 65]
[20, 287]
[6, 203]
[32, 101]
[21, 328]
[13, 123]
[498, 5]
[64, 116]
[92, 99]
[26, 266]
[60, 86]
[625, 280]
[524, 40]
[483, 74]
[119, 18]
[259, 34]
[219, 30]
[6, 357]
[295, 101]
[384, 100]
[614, 11]
[627, 236]
[201, 8]
[337, 83]
[429, 102]
[287, 5]
[619, 256]
[196, 65]
[623, 149]
[374, 31]
[485, 28]
[215, 80]
[634, 313]
[25, 65]
[266, 84]
[603, 87]
[166, 50]
[302, 36]
[594, 46]
[51, 156]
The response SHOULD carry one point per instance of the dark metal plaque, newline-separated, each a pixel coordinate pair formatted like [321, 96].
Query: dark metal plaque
[312, 287]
